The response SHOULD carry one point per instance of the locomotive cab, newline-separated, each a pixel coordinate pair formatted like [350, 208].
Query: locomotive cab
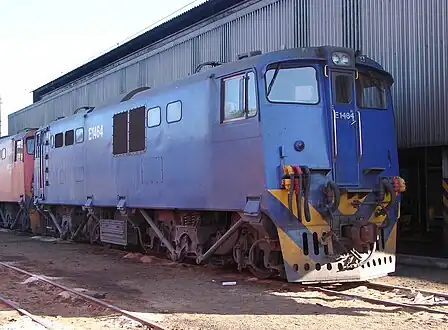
[16, 176]
[331, 161]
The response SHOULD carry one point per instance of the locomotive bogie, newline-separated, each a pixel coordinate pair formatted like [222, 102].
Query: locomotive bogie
[272, 163]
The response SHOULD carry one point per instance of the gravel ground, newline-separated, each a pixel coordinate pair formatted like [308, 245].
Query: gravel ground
[191, 297]
[50, 303]
[418, 278]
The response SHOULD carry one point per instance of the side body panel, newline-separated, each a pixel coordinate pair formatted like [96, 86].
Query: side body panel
[6, 170]
[64, 180]
[194, 163]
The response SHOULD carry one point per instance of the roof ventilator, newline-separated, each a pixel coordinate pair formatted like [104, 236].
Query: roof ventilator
[134, 92]
[86, 108]
[210, 63]
[249, 54]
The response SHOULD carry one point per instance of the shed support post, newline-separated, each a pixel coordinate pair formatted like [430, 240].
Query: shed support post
[445, 197]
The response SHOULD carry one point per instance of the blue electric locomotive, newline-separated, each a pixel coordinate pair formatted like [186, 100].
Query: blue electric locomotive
[284, 163]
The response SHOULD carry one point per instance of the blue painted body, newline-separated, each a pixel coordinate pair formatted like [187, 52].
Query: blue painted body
[200, 163]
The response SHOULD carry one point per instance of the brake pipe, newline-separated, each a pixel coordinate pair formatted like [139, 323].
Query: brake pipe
[299, 190]
[306, 192]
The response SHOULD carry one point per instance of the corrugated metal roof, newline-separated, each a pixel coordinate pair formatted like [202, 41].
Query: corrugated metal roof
[184, 20]
[408, 38]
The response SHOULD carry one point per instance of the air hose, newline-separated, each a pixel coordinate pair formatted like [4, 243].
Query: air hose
[386, 187]
[334, 204]
[291, 193]
[306, 192]
[299, 198]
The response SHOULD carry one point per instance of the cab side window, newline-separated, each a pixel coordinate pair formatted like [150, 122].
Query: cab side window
[59, 140]
[18, 151]
[69, 137]
[79, 135]
[30, 145]
[239, 97]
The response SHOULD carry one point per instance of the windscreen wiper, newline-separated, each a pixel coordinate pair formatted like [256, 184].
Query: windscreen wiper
[277, 69]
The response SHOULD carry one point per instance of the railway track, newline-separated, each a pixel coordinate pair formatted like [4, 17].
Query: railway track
[87, 298]
[372, 292]
[45, 324]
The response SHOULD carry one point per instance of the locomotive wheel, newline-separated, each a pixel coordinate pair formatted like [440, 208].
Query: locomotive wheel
[257, 256]
[9, 220]
[260, 274]
[94, 233]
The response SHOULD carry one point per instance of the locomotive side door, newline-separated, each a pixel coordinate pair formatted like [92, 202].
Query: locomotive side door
[41, 163]
[45, 170]
[344, 123]
[37, 185]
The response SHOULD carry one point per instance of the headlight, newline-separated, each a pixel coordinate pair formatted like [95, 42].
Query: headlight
[336, 59]
[340, 59]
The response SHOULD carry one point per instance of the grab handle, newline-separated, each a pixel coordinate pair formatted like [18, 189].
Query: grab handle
[335, 135]
[360, 135]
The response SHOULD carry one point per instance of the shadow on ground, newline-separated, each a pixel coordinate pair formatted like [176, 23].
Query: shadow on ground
[162, 287]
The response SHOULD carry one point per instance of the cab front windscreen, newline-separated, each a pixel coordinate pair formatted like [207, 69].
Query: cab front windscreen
[292, 83]
[371, 90]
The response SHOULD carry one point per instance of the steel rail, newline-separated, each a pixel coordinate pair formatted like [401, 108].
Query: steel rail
[36, 319]
[377, 301]
[390, 286]
[150, 324]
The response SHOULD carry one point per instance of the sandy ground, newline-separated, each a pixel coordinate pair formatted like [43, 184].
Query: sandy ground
[12, 320]
[184, 297]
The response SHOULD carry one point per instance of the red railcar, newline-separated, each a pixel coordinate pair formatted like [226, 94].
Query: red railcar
[16, 177]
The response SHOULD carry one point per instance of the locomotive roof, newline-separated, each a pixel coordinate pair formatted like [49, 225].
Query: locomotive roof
[18, 135]
[22, 133]
[256, 60]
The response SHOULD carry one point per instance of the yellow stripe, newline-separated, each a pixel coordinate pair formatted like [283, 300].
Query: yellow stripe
[379, 219]
[292, 253]
[316, 217]
[445, 201]
[391, 243]
[345, 204]
[445, 185]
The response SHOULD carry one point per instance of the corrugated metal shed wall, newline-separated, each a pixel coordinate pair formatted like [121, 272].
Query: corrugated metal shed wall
[407, 36]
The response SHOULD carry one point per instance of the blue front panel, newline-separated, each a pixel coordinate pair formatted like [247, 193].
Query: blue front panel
[296, 114]
[379, 151]
[380, 155]
[345, 126]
